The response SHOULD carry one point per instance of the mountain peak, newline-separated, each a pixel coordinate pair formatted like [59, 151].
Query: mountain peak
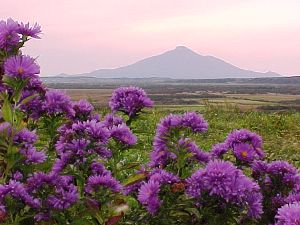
[182, 51]
[182, 48]
[180, 62]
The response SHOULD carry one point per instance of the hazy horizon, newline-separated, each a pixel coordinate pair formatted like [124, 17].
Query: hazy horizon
[81, 36]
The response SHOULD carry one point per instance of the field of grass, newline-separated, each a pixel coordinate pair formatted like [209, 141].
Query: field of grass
[169, 96]
[280, 130]
[224, 112]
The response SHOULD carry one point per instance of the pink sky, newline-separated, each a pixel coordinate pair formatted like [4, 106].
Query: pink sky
[85, 35]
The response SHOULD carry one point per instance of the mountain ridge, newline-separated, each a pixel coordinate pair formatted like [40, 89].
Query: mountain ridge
[179, 63]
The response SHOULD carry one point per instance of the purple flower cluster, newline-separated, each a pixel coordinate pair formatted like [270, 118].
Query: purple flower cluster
[111, 120]
[60, 192]
[100, 179]
[17, 190]
[35, 92]
[12, 33]
[25, 136]
[270, 174]
[80, 140]
[123, 134]
[279, 182]
[167, 132]
[25, 140]
[32, 155]
[148, 194]
[218, 150]
[223, 180]
[245, 145]
[57, 102]
[119, 131]
[130, 100]
[83, 110]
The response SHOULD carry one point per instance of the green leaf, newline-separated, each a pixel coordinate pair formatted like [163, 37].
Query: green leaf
[7, 111]
[11, 82]
[193, 211]
[130, 165]
[135, 178]
[27, 99]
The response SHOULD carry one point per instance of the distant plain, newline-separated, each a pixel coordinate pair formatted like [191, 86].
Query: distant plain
[245, 94]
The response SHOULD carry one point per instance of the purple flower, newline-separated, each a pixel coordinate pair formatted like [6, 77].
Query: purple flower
[293, 197]
[63, 198]
[98, 168]
[195, 121]
[191, 147]
[284, 171]
[57, 102]
[167, 133]
[25, 136]
[30, 31]
[245, 136]
[259, 169]
[163, 177]
[96, 181]
[244, 152]
[83, 109]
[148, 192]
[218, 150]
[130, 100]
[289, 214]
[60, 163]
[160, 157]
[148, 196]
[111, 120]
[9, 33]
[102, 151]
[17, 176]
[123, 134]
[33, 108]
[223, 180]
[92, 129]
[21, 66]
[32, 155]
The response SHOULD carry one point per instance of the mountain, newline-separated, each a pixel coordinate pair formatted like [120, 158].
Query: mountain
[180, 63]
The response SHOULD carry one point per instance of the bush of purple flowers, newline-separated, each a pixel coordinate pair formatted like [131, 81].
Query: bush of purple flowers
[129, 100]
[62, 163]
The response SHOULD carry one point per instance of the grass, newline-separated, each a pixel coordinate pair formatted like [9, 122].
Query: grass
[280, 130]
[170, 97]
